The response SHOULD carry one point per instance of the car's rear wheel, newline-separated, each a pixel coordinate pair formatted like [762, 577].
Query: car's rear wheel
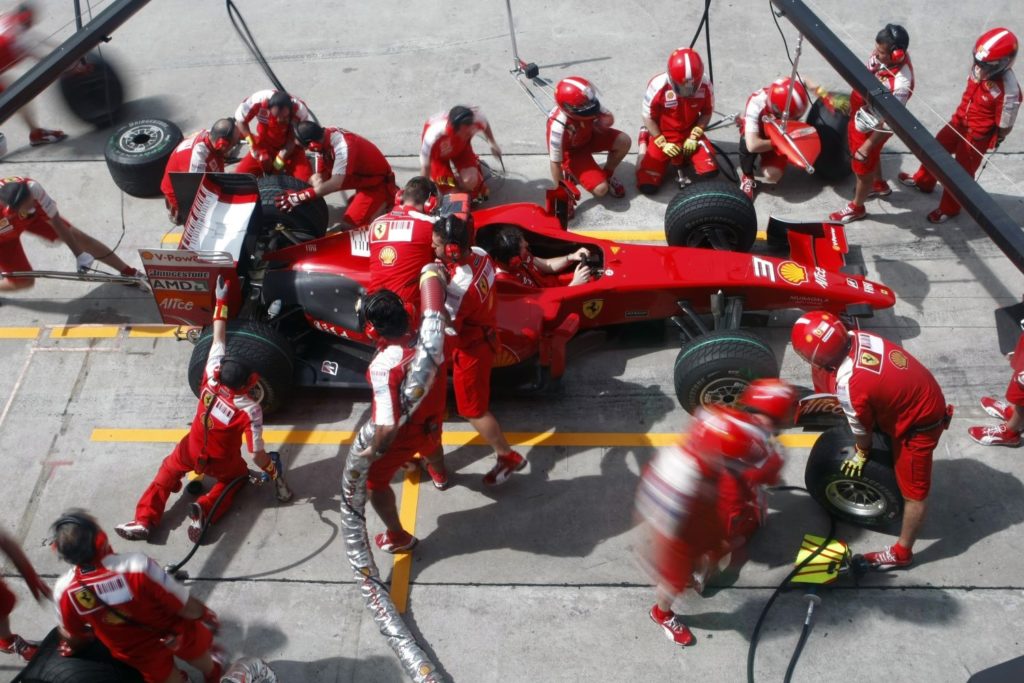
[305, 222]
[872, 499]
[715, 369]
[833, 162]
[712, 214]
[262, 348]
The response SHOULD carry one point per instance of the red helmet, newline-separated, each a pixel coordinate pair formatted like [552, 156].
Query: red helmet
[994, 53]
[770, 397]
[820, 338]
[778, 92]
[685, 71]
[721, 432]
[577, 97]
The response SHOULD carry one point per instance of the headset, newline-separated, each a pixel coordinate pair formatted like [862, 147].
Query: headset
[368, 300]
[900, 41]
[460, 116]
[506, 247]
[12, 194]
[454, 232]
[222, 143]
[92, 543]
[433, 197]
[250, 382]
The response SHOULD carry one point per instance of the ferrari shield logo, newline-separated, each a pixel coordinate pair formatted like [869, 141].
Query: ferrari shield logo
[85, 598]
[592, 308]
[379, 230]
[869, 360]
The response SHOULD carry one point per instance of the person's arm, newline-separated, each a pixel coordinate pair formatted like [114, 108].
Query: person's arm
[489, 134]
[551, 266]
[220, 313]
[35, 584]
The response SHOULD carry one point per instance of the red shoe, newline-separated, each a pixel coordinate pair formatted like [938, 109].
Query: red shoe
[994, 436]
[616, 188]
[439, 479]
[938, 216]
[1001, 410]
[42, 136]
[893, 557]
[849, 213]
[672, 626]
[747, 186]
[133, 531]
[195, 526]
[397, 543]
[880, 188]
[504, 468]
[16, 645]
[909, 180]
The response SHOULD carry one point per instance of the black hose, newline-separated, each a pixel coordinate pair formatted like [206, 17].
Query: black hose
[731, 175]
[176, 567]
[804, 633]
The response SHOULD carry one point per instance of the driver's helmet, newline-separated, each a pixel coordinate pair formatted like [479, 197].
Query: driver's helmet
[820, 338]
[778, 93]
[994, 53]
[577, 98]
[685, 71]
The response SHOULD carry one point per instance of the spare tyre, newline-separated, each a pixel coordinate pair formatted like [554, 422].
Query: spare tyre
[92, 90]
[262, 348]
[92, 663]
[714, 369]
[306, 221]
[711, 214]
[137, 155]
[833, 162]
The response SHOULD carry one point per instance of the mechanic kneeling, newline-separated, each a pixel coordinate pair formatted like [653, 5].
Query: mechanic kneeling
[881, 387]
[204, 152]
[515, 263]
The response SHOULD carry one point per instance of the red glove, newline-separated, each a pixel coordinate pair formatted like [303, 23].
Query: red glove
[289, 199]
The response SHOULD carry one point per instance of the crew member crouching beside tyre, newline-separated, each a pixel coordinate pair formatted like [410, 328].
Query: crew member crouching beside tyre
[881, 388]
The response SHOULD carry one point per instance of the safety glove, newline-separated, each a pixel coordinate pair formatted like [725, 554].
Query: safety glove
[279, 163]
[83, 261]
[835, 101]
[220, 306]
[670, 149]
[853, 466]
[289, 199]
[690, 144]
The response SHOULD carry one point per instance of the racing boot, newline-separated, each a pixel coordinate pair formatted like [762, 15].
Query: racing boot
[939, 216]
[849, 213]
[398, 542]
[616, 188]
[879, 188]
[893, 557]
[504, 468]
[195, 525]
[1001, 410]
[910, 180]
[747, 186]
[672, 626]
[133, 531]
[16, 645]
[43, 136]
[439, 479]
[994, 436]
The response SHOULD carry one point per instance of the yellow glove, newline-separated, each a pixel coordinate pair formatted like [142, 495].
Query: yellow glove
[249, 141]
[854, 466]
[278, 162]
[834, 100]
[689, 146]
[670, 149]
[696, 132]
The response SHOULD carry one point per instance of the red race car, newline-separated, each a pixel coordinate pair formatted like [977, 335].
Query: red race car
[296, 319]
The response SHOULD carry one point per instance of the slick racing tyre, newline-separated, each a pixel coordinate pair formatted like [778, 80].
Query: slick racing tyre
[137, 155]
[712, 214]
[833, 162]
[262, 348]
[92, 90]
[871, 500]
[715, 369]
[305, 222]
[93, 664]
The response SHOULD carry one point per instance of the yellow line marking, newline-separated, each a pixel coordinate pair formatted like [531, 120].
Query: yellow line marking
[403, 561]
[84, 331]
[328, 437]
[19, 332]
[153, 331]
[171, 238]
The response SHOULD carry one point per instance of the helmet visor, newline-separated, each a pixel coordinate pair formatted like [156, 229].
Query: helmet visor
[986, 70]
[586, 110]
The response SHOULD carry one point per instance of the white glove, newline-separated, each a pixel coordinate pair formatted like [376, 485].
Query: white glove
[83, 261]
[221, 290]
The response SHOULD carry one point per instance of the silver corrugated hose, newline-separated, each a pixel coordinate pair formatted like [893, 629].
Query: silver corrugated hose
[249, 670]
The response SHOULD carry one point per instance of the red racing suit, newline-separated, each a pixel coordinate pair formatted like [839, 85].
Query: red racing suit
[271, 136]
[422, 433]
[130, 604]
[212, 446]
[985, 107]
[441, 148]
[573, 142]
[526, 273]
[755, 110]
[364, 169]
[400, 245]
[897, 79]
[194, 154]
[676, 116]
[12, 42]
[13, 224]
[471, 303]
[881, 387]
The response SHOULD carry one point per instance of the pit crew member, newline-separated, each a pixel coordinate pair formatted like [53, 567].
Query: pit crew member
[1010, 411]
[881, 388]
[344, 161]
[866, 132]
[26, 207]
[203, 152]
[272, 147]
[226, 413]
[983, 119]
[400, 241]
[389, 321]
[677, 107]
[139, 612]
[471, 303]
[10, 642]
[446, 150]
[578, 128]
[15, 46]
[677, 502]
[755, 147]
[516, 263]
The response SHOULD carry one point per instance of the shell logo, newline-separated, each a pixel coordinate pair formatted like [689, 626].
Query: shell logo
[388, 256]
[898, 358]
[792, 272]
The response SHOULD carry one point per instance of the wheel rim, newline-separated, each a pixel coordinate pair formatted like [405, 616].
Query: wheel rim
[856, 497]
[142, 138]
[714, 236]
[724, 391]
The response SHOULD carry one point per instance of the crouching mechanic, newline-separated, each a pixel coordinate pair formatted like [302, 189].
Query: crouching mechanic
[25, 207]
[272, 147]
[677, 107]
[138, 611]
[203, 152]
[344, 161]
[446, 150]
[678, 503]
[515, 262]
[225, 413]
[11, 642]
[398, 433]
[578, 128]
[881, 388]
[471, 304]
[755, 147]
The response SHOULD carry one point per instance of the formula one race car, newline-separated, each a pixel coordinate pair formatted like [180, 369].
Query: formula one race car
[296, 290]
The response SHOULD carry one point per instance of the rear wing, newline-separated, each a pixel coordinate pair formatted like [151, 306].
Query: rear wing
[183, 282]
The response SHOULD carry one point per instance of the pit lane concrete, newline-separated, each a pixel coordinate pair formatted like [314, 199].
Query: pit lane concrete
[534, 581]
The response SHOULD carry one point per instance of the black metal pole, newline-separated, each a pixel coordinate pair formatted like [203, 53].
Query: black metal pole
[1007, 235]
[40, 76]
[78, 15]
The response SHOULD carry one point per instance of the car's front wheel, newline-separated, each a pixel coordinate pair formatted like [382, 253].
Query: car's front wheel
[715, 369]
